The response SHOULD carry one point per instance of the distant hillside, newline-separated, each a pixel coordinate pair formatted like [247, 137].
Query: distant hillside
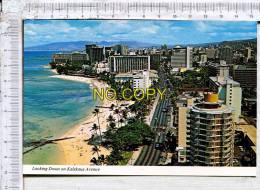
[233, 42]
[80, 45]
[240, 43]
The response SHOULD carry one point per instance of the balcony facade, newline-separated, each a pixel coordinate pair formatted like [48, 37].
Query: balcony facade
[211, 137]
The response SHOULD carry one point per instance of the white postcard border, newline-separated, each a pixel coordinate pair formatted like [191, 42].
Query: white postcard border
[138, 170]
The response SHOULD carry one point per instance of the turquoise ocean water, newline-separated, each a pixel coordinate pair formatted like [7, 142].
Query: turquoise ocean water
[51, 106]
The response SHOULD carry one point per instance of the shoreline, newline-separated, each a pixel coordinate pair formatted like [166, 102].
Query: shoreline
[87, 80]
[77, 151]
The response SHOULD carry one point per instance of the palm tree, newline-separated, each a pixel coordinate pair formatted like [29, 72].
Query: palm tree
[131, 120]
[96, 113]
[124, 114]
[102, 158]
[112, 125]
[110, 118]
[117, 111]
[94, 161]
[112, 107]
[94, 127]
[121, 121]
[95, 150]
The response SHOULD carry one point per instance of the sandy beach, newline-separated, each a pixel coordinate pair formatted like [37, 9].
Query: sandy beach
[76, 151]
[96, 83]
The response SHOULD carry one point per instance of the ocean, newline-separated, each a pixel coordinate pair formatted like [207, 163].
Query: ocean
[51, 106]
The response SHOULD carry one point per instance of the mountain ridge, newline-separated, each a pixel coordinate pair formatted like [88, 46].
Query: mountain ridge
[80, 45]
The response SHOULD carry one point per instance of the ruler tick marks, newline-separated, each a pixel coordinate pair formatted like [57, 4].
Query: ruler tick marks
[139, 9]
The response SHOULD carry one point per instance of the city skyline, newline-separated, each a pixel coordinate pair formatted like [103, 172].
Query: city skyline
[152, 104]
[40, 32]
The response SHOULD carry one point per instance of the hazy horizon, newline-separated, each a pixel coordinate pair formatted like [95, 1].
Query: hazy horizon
[42, 32]
[135, 41]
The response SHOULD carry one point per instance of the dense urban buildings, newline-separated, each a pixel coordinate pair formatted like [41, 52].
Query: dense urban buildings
[248, 53]
[226, 54]
[209, 115]
[155, 60]
[120, 49]
[211, 53]
[215, 68]
[245, 75]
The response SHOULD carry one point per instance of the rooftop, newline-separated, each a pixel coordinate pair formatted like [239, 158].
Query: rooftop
[246, 67]
[250, 132]
[152, 74]
[224, 81]
[220, 64]
[211, 108]
[130, 56]
[69, 53]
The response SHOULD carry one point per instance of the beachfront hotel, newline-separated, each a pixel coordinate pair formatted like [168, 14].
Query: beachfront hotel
[74, 57]
[210, 133]
[127, 63]
[95, 53]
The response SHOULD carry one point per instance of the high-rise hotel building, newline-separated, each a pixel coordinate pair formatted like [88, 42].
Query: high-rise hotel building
[226, 53]
[127, 63]
[95, 53]
[229, 91]
[210, 133]
[182, 57]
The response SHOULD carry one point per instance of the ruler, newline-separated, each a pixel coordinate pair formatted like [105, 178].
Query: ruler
[10, 102]
[133, 9]
[14, 11]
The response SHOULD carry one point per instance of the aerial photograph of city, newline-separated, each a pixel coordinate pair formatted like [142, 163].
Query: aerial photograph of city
[139, 93]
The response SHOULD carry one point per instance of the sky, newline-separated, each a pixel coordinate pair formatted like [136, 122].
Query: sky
[38, 32]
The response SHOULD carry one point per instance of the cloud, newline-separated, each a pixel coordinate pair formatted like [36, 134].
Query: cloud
[38, 32]
[177, 28]
[30, 32]
[202, 26]
[153, 29]
[213, 34]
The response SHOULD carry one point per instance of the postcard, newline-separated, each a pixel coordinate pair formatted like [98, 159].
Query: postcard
[139, 97]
